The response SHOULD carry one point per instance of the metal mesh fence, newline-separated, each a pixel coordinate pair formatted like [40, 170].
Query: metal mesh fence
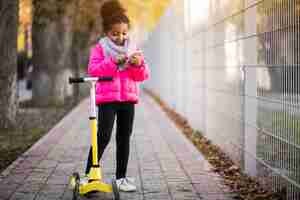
[232, 68]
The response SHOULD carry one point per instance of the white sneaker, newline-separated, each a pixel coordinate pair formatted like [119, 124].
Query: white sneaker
[131, 180]
[84, 180]
[125, 185]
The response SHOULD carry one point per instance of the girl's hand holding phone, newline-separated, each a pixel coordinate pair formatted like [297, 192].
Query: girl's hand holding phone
[136, 59]
[121, 59]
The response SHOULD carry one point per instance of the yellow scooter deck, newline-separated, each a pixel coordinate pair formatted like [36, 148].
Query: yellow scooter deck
[95, 183]
[94, 186]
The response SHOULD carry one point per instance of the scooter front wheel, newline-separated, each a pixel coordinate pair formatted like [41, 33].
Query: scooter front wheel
[76, 195]
[115, 190]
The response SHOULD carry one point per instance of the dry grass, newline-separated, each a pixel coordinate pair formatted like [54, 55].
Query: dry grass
[33, 123]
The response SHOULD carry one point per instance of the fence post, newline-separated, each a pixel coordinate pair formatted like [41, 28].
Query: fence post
[250, 117]
[250, 92]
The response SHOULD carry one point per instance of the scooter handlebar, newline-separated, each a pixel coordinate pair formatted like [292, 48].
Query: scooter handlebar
[75, 80]
[87, 79]
[105, 78]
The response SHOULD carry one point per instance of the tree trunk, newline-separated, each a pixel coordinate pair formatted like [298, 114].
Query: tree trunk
[80, 56]
[8, 62]
[52, 41]
[76, 54]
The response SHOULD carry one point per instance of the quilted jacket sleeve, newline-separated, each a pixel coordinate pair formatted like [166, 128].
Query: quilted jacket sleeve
[99, 65]
[140, 73]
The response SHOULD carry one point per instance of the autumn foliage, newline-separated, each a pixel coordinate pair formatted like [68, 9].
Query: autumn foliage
[145, 12]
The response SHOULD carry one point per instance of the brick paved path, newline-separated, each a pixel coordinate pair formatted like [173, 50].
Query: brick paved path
[163, 162]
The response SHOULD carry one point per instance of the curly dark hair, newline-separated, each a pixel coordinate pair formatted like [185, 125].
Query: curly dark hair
[112, 12]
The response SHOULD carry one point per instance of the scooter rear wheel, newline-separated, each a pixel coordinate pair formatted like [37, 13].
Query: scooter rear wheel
[115, 190]
[76, 195]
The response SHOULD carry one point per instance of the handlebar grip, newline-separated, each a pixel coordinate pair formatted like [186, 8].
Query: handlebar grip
[105, 78]
[88, 79]
[76, 80]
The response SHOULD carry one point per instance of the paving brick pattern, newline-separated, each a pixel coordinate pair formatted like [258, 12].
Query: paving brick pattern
[163, 162]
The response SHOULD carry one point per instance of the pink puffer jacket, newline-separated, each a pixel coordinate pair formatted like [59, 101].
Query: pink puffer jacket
[124, 86]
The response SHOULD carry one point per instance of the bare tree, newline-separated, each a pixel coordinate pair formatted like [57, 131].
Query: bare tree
[8, 62]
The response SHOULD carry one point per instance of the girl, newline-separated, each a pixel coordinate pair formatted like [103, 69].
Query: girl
[117, 98]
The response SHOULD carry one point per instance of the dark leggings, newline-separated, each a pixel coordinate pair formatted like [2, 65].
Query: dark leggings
[106, 117]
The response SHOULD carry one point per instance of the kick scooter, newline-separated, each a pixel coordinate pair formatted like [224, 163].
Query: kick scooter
[95, 183]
